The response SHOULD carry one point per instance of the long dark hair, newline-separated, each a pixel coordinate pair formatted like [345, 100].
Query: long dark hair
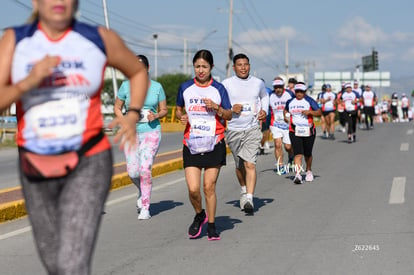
[206, 55]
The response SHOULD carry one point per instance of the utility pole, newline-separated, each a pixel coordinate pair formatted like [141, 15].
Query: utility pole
[230, 50]
[306, 70]
[185, 57]
[114, 83]
[155, 36]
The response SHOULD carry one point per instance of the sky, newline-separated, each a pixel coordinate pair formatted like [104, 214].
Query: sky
[310, 36]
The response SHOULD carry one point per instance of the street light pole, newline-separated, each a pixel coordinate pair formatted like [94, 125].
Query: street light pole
[185, 62]
[114, 83]
[155, 36]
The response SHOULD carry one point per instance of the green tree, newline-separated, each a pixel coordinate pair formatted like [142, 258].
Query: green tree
[107, 95]
[170, 83]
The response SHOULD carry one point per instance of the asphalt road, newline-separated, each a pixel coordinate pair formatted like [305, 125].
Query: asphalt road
[8, 157]
[355, 218]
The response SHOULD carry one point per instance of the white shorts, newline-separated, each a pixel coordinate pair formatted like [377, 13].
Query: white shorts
[280, 133]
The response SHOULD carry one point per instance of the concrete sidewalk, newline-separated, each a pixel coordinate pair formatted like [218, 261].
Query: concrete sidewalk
[12, 204]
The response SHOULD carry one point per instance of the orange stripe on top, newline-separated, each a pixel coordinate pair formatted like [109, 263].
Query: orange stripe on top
[20, 123]
[310, 117]
[94, 123]
[39, 26]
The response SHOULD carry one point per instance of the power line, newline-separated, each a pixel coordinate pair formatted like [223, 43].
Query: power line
[270, 42]
[272, 66]
[23, 4]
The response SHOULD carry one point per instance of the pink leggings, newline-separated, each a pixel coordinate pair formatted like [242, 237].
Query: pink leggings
[139, 163]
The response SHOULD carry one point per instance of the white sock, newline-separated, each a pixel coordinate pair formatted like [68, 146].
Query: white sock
[249, 196]
[243, 189]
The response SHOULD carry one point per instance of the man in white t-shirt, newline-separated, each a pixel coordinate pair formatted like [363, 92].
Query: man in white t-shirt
[405, 106]
[358, 90]
[250, 104]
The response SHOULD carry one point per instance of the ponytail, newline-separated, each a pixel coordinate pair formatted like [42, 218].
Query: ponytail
[33, 17]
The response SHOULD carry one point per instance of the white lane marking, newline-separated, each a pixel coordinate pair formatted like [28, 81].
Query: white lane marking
[397, 190]
[15, 233]
[410, 132]
[111, 202]
[404, 146]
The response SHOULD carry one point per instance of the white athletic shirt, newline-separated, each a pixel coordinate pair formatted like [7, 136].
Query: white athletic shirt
[404, 102]
[384, 106]
[277, 106]
[347, 98]
[359, 92]
[65, 110]
[369, 98]
[295, 107]
[203, 121]
[251, 93]
[329, 101]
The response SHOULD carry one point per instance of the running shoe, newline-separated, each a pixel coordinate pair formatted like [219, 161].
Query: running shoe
[353, 138]
[212, 234]
[349, 139]
[266, 145]
[309, 176]
[243, 200]
[298, 179]
[281, 170]
[139, 204]
[248, 206]
[195, 228]
[144, 215]
[331, 136]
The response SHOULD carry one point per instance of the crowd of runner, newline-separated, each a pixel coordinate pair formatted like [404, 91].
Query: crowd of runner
[359, 107]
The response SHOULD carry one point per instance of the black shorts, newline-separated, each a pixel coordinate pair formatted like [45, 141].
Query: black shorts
[404, 110]
[325, 113]
[217, 157]
[302, 145]
[394, 111]
[369, 111]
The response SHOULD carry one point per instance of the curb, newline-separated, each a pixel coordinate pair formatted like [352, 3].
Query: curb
[17, 209]
[12, 210]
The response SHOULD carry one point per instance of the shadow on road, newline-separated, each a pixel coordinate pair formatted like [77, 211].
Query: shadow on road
[224, 223]
[162, 206]
[258, 203]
